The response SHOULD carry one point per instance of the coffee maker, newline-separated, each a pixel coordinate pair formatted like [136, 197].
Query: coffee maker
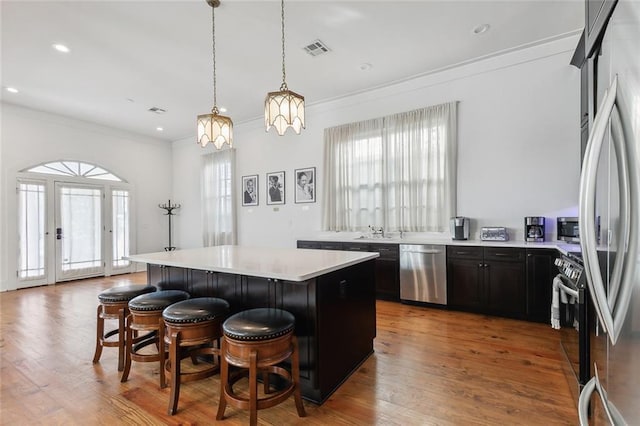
[534, 228]
[459, 227]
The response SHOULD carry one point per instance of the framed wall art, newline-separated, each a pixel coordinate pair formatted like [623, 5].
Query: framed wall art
[275, 188]
[305, 185]
[250, 190]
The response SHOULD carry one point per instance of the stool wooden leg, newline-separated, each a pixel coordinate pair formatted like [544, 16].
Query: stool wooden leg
[174, 361]
[295, 372]
[99, 335]
[253, 388]
[121, 338]
[224, 376]
[162, 352]
[128, 349]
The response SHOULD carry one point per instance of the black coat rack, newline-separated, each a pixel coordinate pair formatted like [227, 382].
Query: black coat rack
[169, 208]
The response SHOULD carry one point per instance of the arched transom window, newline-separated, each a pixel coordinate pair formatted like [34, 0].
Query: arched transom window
[76, 169]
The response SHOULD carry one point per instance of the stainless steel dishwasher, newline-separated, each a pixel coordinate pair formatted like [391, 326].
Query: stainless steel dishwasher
[423, 273]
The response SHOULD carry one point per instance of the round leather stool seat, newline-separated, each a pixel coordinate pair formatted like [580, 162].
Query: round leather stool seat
[259, 324]
[196, 310]
[158, 300]
[124, 293]
[256, 342]
[192, 328]
[114, 306]
[145, 315]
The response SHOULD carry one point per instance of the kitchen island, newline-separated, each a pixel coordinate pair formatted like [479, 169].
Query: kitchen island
[330, 293]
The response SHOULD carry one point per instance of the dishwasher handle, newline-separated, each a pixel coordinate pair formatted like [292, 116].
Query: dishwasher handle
[427, 251]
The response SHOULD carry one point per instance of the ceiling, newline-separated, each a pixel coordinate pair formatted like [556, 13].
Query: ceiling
[129, 56]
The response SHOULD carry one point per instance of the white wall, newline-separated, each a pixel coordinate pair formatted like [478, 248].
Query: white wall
[518, 146]
[31, 137]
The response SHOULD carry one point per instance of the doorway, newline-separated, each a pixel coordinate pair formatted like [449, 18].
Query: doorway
[73, 222]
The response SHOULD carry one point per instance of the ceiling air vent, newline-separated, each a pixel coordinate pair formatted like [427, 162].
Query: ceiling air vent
[157, 110]
[316, 48]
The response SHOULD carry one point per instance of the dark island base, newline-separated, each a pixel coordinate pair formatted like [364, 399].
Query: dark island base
[335, 314]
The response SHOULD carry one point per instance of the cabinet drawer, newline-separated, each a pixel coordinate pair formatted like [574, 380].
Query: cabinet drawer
[308, 244]
[387, 251]
[355, 246]
[330, 246]
[505, 254]
[464, 252]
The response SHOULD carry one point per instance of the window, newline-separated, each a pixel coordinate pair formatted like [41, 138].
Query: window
[218, 200]
[398, 172]
[31, 230]
[74, 168]
[120, 227]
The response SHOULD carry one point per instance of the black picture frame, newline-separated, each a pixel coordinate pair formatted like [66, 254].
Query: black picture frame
[276, 188]
[305, 185]
[249, 190]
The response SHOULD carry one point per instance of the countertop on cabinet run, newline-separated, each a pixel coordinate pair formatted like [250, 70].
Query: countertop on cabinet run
[288, 264]
[440, 240]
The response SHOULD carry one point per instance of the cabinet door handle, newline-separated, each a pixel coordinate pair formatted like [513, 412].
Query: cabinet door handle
[480, 265]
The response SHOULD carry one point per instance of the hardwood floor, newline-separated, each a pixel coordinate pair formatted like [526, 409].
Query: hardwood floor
[430, 366]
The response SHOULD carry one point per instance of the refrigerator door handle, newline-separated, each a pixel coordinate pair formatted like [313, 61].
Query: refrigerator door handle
[615, 281]
[587, 208]
[627, 249]
[612, 309]
[585, 397]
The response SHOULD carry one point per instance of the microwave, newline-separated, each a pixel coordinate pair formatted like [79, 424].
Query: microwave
[568, 229]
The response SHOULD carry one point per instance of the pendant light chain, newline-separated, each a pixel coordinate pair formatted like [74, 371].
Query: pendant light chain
[213, 31]
[284, 74]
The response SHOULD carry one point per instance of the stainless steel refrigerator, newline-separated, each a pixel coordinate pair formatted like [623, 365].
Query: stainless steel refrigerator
[610, 188]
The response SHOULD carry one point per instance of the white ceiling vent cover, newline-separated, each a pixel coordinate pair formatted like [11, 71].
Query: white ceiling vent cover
[317, 47]
[157, 110]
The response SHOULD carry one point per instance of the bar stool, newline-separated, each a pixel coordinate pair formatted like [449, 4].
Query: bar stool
[191, 328]
[114, 306]
[257, 340]
[145, 315]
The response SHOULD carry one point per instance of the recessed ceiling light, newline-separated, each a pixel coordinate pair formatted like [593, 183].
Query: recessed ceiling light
[366, 66]
[222, 109]
[61, 48]
[159, 129]
[12, 90]
[481, 29]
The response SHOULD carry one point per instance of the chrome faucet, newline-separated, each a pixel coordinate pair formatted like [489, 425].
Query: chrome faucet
[375, 232]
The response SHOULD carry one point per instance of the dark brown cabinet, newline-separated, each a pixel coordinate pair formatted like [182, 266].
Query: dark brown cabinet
[387, 266]
[540, 273]
[167, 277]
[487, 280]
[464, 278]
[335, 314]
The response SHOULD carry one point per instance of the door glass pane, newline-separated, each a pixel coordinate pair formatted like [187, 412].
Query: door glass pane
[81, 219]
[120, 226]
[31, 230]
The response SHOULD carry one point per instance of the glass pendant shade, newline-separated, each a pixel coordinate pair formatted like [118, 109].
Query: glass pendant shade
[284, 109]
[216, 129]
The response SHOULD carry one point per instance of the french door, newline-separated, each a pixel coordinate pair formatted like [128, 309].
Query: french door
[79, 231]
[71, 230]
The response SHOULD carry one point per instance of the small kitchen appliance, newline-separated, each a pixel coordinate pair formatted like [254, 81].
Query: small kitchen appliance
[534, 228]
[494, 233]
[459, 227]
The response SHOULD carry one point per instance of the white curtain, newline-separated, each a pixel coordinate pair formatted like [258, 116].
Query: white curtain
[398, 172]
[218, 198]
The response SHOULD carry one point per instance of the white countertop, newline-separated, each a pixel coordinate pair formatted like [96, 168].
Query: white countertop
[288, 264]
[440, 240]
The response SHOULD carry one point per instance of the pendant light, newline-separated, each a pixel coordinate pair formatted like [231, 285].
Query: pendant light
[214, 128]
[284, 109]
